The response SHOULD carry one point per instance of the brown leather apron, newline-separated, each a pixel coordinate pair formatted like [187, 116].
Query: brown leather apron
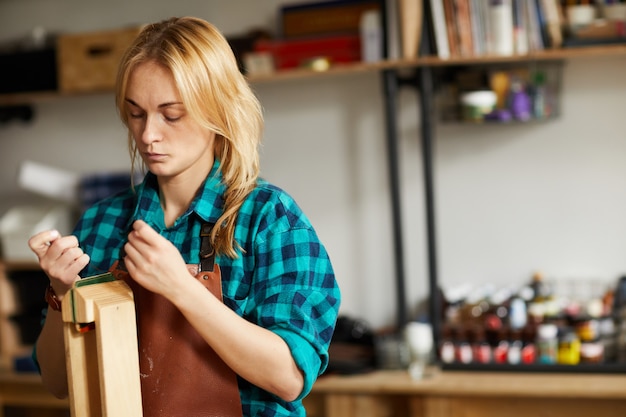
[181, 375]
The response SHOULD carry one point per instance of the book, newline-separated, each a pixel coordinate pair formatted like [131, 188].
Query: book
[410, 12]
[392, 30]
[439, 28]
[520, 27]
[552, 17]
[543, 27]
[477, 16]
[535, 39]
[453, 42]
[464, 27]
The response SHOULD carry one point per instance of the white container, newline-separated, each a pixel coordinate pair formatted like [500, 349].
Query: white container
[580, 16]
[615, 12]
[371, 37]
[501, 23]
[477, 104]
[20, 223]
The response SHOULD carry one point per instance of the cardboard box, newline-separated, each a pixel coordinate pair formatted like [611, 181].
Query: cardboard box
[88, 61]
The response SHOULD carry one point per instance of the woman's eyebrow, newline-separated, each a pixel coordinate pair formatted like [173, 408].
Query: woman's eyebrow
[166, 104]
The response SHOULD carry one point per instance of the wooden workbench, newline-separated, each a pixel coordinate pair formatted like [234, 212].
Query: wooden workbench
[394, 394]
[469, 394]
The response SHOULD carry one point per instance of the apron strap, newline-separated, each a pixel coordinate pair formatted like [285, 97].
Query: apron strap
[207, 253]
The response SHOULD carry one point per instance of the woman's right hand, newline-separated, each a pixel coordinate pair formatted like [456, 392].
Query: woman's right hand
[60, 258]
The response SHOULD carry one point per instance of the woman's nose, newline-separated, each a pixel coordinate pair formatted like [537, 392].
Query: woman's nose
[151, 131]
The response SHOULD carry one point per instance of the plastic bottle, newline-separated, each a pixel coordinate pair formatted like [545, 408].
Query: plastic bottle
[371, 37]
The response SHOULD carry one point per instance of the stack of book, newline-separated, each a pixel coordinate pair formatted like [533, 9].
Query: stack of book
[462, 28]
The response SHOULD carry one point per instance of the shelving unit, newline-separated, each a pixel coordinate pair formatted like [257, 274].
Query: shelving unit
[417, 73]
[21, 301]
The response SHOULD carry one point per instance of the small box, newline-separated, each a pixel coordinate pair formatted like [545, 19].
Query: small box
[297, 53]
[20, 223]
[28, 71]
[88, 61]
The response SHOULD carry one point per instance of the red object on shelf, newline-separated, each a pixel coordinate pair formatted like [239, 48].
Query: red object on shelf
[296, 53]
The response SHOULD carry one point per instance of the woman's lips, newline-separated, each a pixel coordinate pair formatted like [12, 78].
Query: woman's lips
[154, 157]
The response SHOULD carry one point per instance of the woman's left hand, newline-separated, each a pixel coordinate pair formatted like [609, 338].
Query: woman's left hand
[153, 261]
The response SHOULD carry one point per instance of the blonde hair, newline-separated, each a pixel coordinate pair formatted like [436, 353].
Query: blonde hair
[215, 94]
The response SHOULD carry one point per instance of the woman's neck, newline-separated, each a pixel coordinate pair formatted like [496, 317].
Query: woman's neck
[177, 194]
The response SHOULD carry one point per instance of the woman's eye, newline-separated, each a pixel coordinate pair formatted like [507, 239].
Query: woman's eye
[172, 119]
[136, 115]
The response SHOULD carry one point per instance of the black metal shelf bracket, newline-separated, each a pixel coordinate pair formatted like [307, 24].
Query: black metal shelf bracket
[391, 85]
[422, 80]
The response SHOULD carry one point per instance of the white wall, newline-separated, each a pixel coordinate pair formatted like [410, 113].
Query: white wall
[509, 199]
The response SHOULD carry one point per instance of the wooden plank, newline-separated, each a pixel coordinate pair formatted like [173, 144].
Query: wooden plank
[103, 363]
[118, 358]
[82, 372]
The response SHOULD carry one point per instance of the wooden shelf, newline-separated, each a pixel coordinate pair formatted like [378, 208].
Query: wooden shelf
[351, 69]
[19, 265]
[432, 61]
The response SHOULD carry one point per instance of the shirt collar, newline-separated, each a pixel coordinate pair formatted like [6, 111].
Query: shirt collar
[208, 203]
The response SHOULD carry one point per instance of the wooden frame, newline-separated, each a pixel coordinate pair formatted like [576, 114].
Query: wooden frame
[102, 358]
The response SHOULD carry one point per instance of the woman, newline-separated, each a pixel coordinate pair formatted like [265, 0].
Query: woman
[196, 125]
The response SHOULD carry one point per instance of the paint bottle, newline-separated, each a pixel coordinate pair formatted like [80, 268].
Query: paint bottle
[464, 353]
[482, 352]
[514, 355]
[529, 348]
[547, 343]
[446, 349]
[501, 349]
[569, 347]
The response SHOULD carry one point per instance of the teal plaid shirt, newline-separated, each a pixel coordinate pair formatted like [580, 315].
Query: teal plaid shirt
[283, 280]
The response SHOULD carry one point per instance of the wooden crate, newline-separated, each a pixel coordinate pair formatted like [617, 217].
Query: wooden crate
[88, 61]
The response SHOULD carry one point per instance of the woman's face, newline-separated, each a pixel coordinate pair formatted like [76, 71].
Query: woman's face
[170, 142]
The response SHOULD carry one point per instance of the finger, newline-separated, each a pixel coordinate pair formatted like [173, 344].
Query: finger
[61, 245]
[80, 263]
[40, 243]
[142, 232]
[63, 283]
[142, 237]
